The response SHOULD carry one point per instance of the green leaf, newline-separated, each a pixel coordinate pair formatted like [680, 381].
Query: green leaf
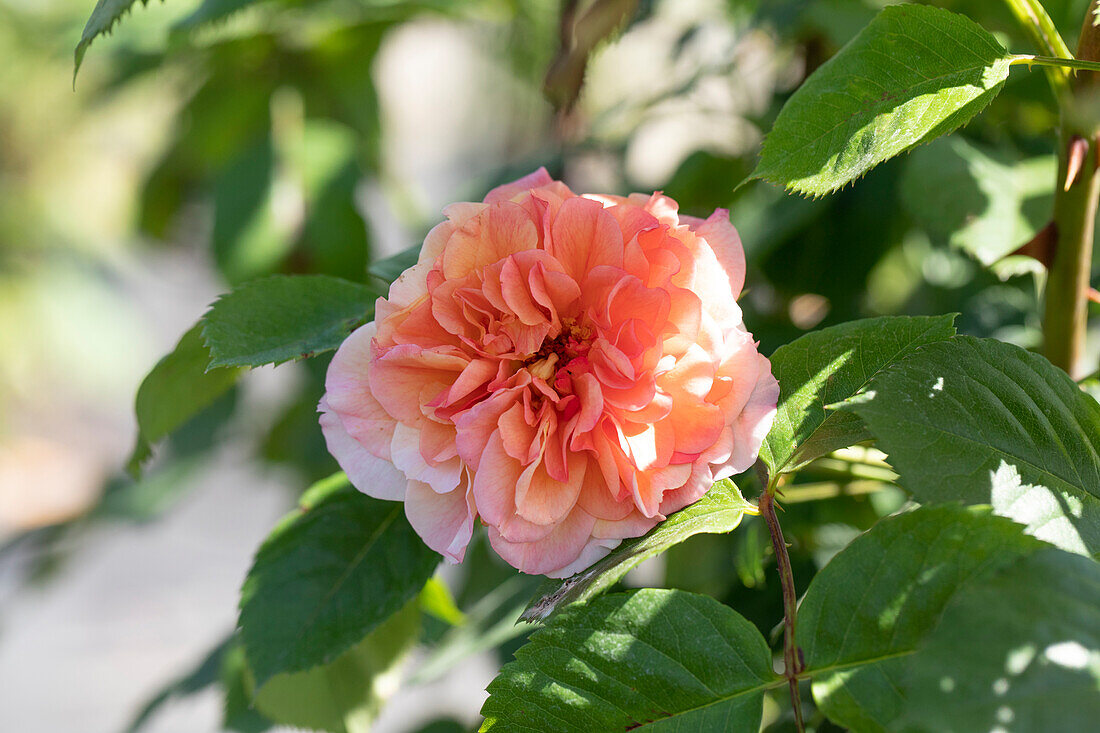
[951, 619]
[103, 18]
[985, 422]
[328, 575]
[177, 389]
[719, 511]
[829, 366]
[345, 695]
[280, 318]
[660, 658]
[390, 268]
[982, 202]
[436, 600]
[875, 602]
[238, 713]
[210, 11]
[913, 74]
[1018, 650]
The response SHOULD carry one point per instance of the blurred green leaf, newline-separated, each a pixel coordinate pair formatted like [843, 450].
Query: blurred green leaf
[719, 511]
[977, 200]
[330, 573]
[913, 74]
[345, 695]
[281, 318]
[985, 422]
[203, 675]
[828, 366]
[656, 658]
[103, 18]
[210, 11]
[390, 268]
[436, 600]
[177, 389]
[238, 713]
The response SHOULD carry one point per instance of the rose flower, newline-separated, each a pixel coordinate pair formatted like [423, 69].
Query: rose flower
[569, 369]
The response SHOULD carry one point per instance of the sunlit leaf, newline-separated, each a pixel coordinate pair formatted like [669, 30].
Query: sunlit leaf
[913, 74]
[103, 18]
[985, 422]
[828, 366]
[280, 318]
[328, 575]
[659, 658]
[720, 510]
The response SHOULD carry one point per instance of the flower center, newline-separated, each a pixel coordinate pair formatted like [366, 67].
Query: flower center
[561, 351]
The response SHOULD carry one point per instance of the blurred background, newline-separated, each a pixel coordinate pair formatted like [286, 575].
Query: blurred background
[209, 142]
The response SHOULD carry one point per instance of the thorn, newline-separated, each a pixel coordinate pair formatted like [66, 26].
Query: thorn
[1078, 149]
[1041, 247]
[1094, 295]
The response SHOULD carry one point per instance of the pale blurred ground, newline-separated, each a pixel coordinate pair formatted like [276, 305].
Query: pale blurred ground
[133, 606]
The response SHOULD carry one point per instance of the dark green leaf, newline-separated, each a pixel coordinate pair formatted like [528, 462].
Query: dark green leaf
[176, 390]
[949, 619]
[829, 366]
[327, 576]
[1017, 650]
[719, 511]
[345, 695]
[280, 318]
[210, 11]
[913, 74]
[877, 600]
[666, 658]
[985, 422]
[239, 714]
[976, 199]
[103, 18]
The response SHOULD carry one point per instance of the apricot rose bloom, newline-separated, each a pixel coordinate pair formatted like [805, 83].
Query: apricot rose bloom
[567, 369]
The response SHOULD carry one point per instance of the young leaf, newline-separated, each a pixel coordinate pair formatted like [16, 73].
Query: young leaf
[103, 18]
[177, 389]
[329, 574]
[829, 366]
[280, 318]
[346, 694]
[985, 422]
[719, 511]
[913, 74]
[981, 202]
[659, 658]
[892, 633]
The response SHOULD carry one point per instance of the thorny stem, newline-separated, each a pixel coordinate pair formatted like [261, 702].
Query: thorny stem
[1075, 204]
[792, 657]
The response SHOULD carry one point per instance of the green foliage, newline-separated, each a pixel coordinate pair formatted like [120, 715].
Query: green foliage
[281, 318]
[901, 630]
[211, 11]
[719, 511]
[202, 676]
[985, 422]
[345, 695]
[390, 268]
[911, 75]
[103, 18]
[665, 658]
[829, 366]
[330, 573]
[176, 390]
[977, 200]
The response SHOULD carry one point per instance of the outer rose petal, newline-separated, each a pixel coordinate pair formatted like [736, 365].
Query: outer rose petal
[726, 243]
[753, 423]
[367, 472]
[552, 554]
[444, 521]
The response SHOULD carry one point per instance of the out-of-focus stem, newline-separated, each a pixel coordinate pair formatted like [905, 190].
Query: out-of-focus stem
[1075, 203]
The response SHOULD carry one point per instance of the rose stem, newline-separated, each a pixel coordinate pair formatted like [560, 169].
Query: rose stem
[792, 666]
